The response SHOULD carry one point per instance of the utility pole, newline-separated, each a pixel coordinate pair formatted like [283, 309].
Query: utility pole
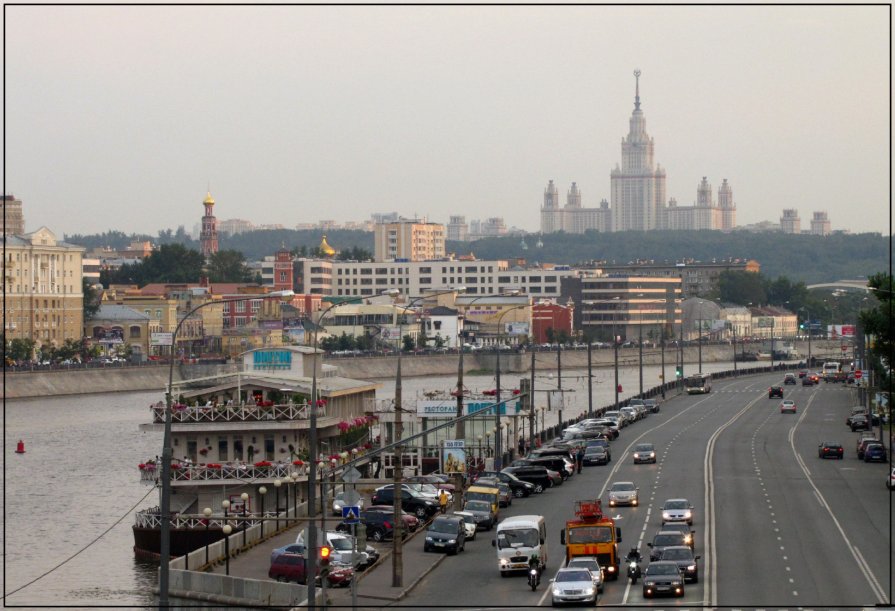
[590, 382]
[397, 547]
[531, 413]
[562, 398]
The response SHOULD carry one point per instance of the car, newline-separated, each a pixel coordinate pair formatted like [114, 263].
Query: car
[506, 495]
[434, 480]
[536, 475]
[808, 381]
[591, 564]
[596, 455]
[855, 411]
[789, 378]
[830, 449]
[644, 452]
[519, 487]
[339, 502]
[623, 493]
[292, 548]
[652, 405]
[600, 442]
[663, 577]
[863, 442]
[677, 510]
[815, 377]
[573, 585]
[291, 567]
[482, 514]
[611, 427]
[469, 523]
[665, 538]
[685, 529]
[686, 561]
[787, 406]
[890, 480]
[775, 391]
[618, 417]
[410, 521]
[803, 373]
[630, 413]
[446, 533]
[421, 507]
[875, 452]
[556, 478]
[860, 423]
[379, 525]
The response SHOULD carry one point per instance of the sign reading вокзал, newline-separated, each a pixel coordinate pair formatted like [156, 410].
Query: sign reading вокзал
[158, 338]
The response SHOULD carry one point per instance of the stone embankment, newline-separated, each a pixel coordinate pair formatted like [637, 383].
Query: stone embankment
[155, 378]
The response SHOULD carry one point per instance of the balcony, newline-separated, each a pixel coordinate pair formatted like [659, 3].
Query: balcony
[238, 413]
[217, 472]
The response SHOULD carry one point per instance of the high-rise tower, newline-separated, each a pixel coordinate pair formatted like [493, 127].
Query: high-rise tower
[728, 206]
[638, 187]
[551, 213]
[208, 238]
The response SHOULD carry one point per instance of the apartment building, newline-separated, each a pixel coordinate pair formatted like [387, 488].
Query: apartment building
[699, 278]
[12, 219]
[44, 298]
[408, 240]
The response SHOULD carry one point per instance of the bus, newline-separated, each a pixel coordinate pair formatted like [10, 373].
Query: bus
[698, 383]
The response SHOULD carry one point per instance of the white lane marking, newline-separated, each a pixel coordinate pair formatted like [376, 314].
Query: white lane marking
[859, 559]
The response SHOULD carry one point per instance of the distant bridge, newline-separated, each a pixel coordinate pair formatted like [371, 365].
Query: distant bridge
[853, 285]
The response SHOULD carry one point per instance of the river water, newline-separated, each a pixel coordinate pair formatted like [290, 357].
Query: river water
[70, 499]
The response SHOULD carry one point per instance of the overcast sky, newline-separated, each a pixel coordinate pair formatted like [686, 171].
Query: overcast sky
[122, 117]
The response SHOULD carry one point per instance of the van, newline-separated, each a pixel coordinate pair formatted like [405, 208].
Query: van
[518, 539]
[485, 493]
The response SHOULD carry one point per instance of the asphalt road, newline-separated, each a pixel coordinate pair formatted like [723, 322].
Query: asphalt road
[775, 525]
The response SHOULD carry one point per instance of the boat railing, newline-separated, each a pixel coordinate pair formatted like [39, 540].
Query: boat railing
[182, 472]
[236, 413]
[151, 518]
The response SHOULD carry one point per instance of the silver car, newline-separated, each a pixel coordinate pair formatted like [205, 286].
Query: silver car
[574, 585]
[677, 510]
[591, 564]
[339, 502]
[623, 493]
[468, 522]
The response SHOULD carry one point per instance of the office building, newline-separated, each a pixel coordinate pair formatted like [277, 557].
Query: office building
[13, 219]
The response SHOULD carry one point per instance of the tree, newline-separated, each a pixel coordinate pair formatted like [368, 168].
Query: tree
[742, 288]
[880, 324]
[91, 299]
[228, 266]
[171, 263]
[407, 343]
[355, 253]
[21, 349]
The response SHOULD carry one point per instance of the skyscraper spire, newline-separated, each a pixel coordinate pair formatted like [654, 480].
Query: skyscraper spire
[637, 90]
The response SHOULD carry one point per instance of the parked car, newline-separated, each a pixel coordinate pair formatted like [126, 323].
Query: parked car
[339, 502]
[596, 455]
[652, 405]
[410, 521]
[468, 522]
[890, 480]
[601, 442]
[291, 567]
[860, 423]
[518, 486]
[536, 475]
[506, 495]
[830, 449]
[875, 452]
[420, 506]
[446, 533]
[433, 480]
[863, 442]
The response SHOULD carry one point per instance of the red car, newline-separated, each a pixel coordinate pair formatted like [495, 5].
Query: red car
[291, 567]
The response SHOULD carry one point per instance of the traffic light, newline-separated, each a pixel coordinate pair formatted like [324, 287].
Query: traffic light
[325, 554]
[677, 371]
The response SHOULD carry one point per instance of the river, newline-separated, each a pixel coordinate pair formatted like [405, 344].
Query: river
[70, 499]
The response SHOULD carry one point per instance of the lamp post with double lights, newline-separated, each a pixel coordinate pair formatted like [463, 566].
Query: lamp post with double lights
[498, 405]
[311, 557]
[397, 547]
[168, 451]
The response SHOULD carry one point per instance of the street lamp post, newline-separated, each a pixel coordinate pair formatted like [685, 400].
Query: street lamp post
[168, 451]
[245, 525]
[261, 492]
[227, 530]
[397, 544]
[808, 328]
[276, 486]
[207, 513]
[498, 405]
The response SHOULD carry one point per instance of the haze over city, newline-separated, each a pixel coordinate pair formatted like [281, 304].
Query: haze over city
[123, 117]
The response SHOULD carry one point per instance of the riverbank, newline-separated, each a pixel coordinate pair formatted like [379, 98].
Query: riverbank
[26, 384]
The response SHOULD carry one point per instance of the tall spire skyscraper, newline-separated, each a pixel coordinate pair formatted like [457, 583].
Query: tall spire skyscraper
[638, 186]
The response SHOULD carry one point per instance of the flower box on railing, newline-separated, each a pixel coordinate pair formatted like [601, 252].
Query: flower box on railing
[175, 466]
[298, 463]
[263, 463]
[214, 465]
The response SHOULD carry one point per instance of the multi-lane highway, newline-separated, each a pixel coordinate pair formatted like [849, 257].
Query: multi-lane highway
[776, 526]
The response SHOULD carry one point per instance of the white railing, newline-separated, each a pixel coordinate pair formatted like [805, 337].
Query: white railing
[236, 413]
[181, 472]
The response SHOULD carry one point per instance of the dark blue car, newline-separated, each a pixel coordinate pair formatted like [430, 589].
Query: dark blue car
[875, 452]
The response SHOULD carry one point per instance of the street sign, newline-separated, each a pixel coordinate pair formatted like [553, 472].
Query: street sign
[350, 514]
[351, 497]
[351, 475]
[859, 374]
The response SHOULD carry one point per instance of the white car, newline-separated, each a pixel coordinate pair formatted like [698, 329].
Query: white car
[339, 502]
[890, 481]
[677, 510]
[468, 523]
[573, 585]
[623, 493]
[591, 564]
[787, 406]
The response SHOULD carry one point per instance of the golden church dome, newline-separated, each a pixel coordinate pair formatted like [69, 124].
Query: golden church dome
[209, 199]
[326, 249]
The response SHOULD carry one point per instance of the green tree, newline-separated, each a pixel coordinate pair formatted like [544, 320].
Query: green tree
[355, 253]
[21, 349]
[91, 299]
[879, 323]
[171, 263]
[742, 288]
[228, 266]
[407, 343]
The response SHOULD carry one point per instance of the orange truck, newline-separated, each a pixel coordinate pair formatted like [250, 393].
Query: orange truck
[592, 533]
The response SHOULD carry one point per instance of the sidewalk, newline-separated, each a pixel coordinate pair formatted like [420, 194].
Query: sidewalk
[374, 586]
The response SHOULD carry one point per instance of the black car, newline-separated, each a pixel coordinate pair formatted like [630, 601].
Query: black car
[596, 455]
[807, 381]
[775, 391]
[663, 539]
[600, 442]
[644, 452]
[518, 487]
[789, 378]
[663, 577]
[379, 525]
[875, 452]
[860, 423]
[683, 556]
[445, 533]
[554, 463]
[536, 475]
[421, 507]
[829, 449]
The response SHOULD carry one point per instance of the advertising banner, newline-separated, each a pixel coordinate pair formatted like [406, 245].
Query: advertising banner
[429, 408]
[841, 330]
[517, 328]
[453, 456]
[158, 338]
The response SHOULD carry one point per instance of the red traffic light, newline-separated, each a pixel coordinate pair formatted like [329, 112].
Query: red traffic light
[325, 552]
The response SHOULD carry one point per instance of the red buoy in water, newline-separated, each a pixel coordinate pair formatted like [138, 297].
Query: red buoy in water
[20, 447]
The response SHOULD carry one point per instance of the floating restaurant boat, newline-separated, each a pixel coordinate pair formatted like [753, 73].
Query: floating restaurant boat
[240, 444]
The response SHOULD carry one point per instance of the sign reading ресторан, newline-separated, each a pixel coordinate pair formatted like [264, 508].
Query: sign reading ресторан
[435, 407]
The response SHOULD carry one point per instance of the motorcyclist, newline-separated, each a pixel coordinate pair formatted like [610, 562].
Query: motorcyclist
[634, 555]
[534, 563]
[633, 561]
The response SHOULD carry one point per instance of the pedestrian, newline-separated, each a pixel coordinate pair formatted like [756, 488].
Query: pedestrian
[443, 500]
[521, 445]
[579, 456]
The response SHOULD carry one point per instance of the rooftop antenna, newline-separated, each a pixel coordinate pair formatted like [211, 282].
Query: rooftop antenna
[637, 89]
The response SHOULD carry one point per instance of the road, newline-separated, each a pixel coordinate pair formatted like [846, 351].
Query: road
[776, 526]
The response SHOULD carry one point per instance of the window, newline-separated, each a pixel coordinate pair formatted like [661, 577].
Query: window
[222, 449]
[425, 270]
[426, 280]
[135, 331]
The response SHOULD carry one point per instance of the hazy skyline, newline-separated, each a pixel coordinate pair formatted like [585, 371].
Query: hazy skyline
[122, 117]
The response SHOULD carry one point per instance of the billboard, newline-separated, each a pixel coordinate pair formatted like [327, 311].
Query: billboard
[516, 328]
[453, 456]
[840, 330]
[157, 338]
[434, 407]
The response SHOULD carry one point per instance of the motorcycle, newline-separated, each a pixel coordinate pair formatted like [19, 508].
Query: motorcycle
[633, 571]
[534, 575]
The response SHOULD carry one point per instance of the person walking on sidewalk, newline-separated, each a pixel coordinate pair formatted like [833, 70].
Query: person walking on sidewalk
[443, 500]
